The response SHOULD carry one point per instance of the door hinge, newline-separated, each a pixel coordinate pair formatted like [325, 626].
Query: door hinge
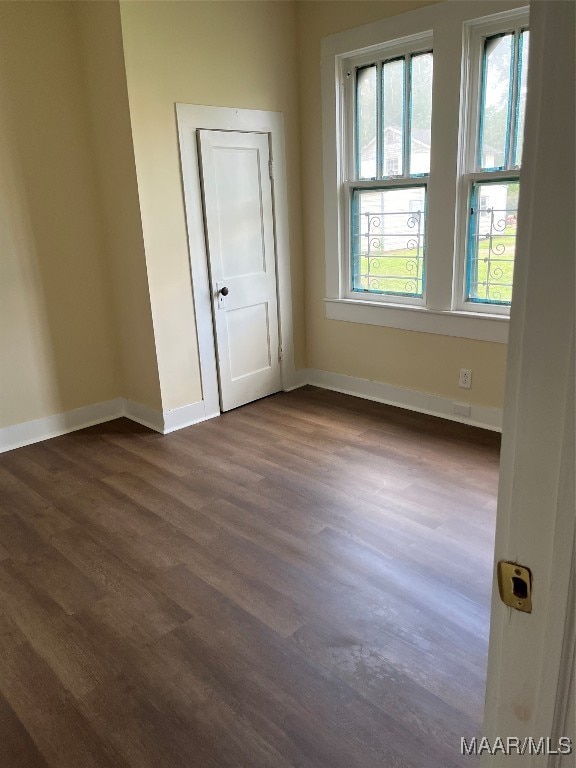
[271, 169]
[280, 353]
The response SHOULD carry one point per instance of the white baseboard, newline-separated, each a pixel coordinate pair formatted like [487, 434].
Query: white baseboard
[299, 378]
[165, 422]
[28, 432]
[36, 430]
[143, 414]
[178, 418]
[411, 399]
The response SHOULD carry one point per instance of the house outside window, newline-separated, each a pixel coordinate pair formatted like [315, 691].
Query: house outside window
[427, 138]
[392, 165]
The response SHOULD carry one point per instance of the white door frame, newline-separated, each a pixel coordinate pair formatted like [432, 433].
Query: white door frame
[531, 654]
[190, 119]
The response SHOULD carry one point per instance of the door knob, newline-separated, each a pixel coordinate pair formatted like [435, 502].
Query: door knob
[224, 291]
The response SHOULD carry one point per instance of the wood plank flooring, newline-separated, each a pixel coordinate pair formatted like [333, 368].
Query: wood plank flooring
[303, 582]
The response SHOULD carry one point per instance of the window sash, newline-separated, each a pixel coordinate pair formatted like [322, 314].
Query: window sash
[513, 99]
[388, 243]
[379, 66]
[483, 94]
[488, 232]
[471, 173]
[358, 180]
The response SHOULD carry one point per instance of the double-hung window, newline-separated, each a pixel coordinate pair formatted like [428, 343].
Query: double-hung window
[491, 181]
[389, 161]
[423, 129]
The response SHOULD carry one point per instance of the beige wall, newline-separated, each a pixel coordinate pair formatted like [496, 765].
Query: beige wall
[234, 54]
[105, 78]
[95, 294]
[425, 362]
[57, 346]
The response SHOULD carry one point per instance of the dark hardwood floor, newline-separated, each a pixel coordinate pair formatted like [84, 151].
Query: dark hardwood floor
[304, 581]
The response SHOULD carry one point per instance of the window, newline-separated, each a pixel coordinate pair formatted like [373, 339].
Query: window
[497, 113]
[386, 192]
[423, 125]
[388, 241]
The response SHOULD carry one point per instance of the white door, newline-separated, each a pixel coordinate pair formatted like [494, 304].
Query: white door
[531, 675]
[238, 213]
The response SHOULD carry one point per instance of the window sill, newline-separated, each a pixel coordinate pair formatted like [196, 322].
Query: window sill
[467, 325]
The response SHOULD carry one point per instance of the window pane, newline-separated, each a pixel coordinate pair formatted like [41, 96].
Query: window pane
[495, 101]
[388, 227]
[492, 242]
[393, 117]
[521, 103]
[420, 112]
[366, 121]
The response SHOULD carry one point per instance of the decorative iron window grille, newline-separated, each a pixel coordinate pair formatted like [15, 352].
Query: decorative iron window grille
[393, 112]
[387, 243]
[496, 177]
[492, 243]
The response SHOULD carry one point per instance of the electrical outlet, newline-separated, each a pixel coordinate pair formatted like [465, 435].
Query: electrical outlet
[465, 380]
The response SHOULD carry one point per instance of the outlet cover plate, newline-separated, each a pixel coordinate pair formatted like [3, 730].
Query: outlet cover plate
[465, 379]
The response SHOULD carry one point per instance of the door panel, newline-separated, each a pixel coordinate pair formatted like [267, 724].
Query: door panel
[237, 176]
[248, 323]
[238, 214]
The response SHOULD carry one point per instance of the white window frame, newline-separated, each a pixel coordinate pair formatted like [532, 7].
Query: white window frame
[348, 66]
[442, 312]
[474, 34]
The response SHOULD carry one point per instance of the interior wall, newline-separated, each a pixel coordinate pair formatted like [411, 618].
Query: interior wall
[100, 33]
[232, 54]
[95, 287]
[421, 361]
[57, 343]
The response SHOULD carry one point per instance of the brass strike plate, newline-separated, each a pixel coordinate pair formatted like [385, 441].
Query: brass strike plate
[515, 585]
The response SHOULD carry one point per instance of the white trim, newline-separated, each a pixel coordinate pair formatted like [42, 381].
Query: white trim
[34, 431]
[475, 31]
[535, 522]
[410, 399]
[445, 22]
[300, 380]
[350, 180]
[26, 433]
[190, 119]
[185, 416]
[167, 421]
[462, 324]
[198, 265]
[564, 714]
[29, 432]
[143, 414]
